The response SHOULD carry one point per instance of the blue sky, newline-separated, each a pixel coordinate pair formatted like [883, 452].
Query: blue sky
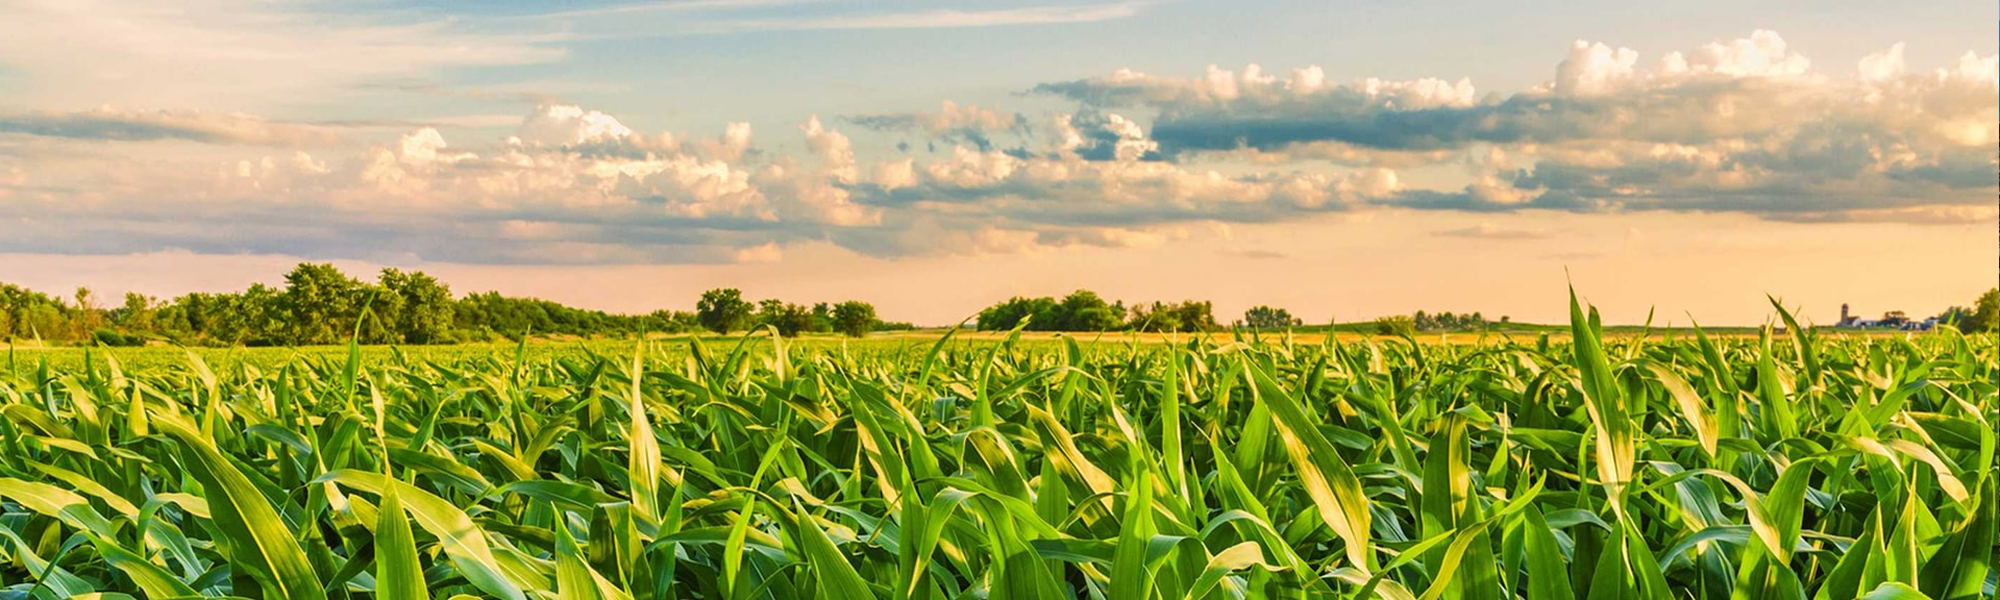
[1147, 149]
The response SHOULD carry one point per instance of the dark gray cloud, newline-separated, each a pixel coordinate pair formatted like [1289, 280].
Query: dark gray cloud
[208, 128]
[1486, 231]
[1468, 201]
[316, 230]
[1257, 254]
[1966, 171]
[1676, 114]
[952, 124]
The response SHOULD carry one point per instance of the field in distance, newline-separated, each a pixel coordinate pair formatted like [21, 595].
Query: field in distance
[24, 356]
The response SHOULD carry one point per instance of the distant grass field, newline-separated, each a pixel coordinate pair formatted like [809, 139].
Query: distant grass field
[27, 356]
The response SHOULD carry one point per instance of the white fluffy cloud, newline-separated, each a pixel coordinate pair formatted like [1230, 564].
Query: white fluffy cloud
[563, 125]
[571, 185]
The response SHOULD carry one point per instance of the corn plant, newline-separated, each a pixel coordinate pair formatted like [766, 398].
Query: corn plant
[1793, 465]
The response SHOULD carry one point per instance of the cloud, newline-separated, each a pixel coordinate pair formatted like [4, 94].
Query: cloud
[577, 185]
[952, 124]
[769, 252]
[572, 186]
[1065, 194]
[1103, 136]
[119, 125]
[1259, 254]
[560, 125]
[1745, 125]
[1919, 215]
[1489, 231]
[952, 117]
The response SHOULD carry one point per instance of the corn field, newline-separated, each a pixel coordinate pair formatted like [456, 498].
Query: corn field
[1791, 465]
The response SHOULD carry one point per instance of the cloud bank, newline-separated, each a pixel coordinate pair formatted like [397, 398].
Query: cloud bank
[1745, 126]
[1741, 126]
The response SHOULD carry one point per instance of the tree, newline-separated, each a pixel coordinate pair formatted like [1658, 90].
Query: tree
[854, 318]
[251, 317]
[822, 317]
[723, 310]
[1155, 317]
[84, 320]
[28, 314]
[769, 310]
[1040, 313]
[1956, 316]
[320, 304]
[1265, 317]
[788, 319]
[1171, 317]
[380, 314]
[137, 314]
[425, 313]
[1985, 313]
[1002, 316]
[1448, 321]
[1395, 325]
[1083, 310]
[1195, 315]
[670, 321]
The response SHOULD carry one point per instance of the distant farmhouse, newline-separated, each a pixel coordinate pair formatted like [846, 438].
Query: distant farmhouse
[1894, 320]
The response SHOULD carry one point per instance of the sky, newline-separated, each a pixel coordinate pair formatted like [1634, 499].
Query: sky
[1342, 160]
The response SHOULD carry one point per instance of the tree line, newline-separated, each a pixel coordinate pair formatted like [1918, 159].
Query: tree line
[319, 304]
[1984, 315]
[1085, 310]
[1425, 322]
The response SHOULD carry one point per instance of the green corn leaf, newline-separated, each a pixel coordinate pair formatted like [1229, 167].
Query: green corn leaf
[398, 574]
[1547, 579]
[1130, 579]
[259, 542]
[644, 456]
[837, 577]
[151, 579]
[1959, 569]
[462, 540]
[1895, 591]
[1326, 476]
[575, 580]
